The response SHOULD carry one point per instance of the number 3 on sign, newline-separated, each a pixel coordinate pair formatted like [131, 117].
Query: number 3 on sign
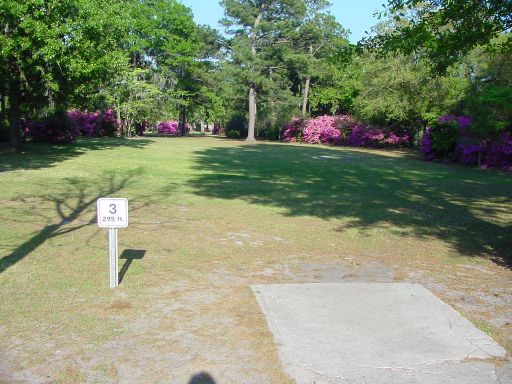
[112, 213]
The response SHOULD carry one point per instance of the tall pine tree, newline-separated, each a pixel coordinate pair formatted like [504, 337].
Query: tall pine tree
[257, 26]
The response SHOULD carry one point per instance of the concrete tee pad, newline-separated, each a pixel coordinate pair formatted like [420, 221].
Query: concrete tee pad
[375, 333]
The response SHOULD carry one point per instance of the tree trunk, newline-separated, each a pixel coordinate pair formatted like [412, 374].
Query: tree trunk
[3, 105]
[14, 109]
[306, 96]
[118, 117]
[129, 125]
[252, 113]
[182, 123]
[252, 86]
[308, 83]
[51, 101]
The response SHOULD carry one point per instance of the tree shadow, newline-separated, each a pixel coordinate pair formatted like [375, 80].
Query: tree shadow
[202, 378]
[69, 206]
[42, 155]
[195, 135]
[469, 209]
[129, 255]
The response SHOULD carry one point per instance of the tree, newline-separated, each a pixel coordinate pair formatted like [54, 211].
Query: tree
[401, 91]
[56, 50]
[318, 38]
[257, 25]
[489, 99]
[444, 30]
[134, 96]
[208, 99]
[165, 41]
[337, 83]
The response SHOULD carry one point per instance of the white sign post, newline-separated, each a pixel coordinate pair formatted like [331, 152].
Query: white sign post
[112, 214]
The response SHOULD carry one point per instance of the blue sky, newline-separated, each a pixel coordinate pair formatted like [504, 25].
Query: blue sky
[357, 16]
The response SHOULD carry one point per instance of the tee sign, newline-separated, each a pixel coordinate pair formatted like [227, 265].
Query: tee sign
[112, 213]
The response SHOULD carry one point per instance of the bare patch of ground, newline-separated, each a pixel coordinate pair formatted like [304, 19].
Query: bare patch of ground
[210, 322]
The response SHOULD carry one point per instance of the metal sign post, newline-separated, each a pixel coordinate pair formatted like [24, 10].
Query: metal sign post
[113, 257]
[112, 214]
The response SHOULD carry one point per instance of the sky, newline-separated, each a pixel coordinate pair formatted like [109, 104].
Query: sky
[357, 16]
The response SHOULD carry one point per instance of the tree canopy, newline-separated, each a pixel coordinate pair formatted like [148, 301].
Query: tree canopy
[147, 61]
[444, 30]
[57, 51]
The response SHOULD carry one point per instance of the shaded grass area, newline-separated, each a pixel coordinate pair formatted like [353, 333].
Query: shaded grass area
[39, 155]
[69, 206]
[469, 209]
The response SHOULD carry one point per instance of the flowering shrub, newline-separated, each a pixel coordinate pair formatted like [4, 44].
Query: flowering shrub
[108, 124]
[343, 129]
[440, 140]
[322, 130]
[462, 121]
[450, 137]
[426, 146]
[469, 154]
[294, 130]
[357, 134]
[489, 153]
[363, 135]
[216, 129]
[84, 122]
[54, 129]
[402, 139]
[63, 128]
[94, 124]
[498, 153]
[169, 127]
[141, 127]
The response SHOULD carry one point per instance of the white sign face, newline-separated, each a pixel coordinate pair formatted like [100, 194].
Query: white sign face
[112, 213]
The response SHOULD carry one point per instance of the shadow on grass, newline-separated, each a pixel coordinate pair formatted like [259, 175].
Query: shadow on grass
[129, 255]
[69, 206]
[41, 155]
[469, 209]
[202, 378]
[188, 135]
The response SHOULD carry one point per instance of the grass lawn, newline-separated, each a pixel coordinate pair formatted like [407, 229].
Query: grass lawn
[209, 217]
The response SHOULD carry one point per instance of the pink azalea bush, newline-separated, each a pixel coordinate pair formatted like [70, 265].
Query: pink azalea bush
[108, 124]
[65, 128]
[169, 127]
[83, 121]
[359, 134]
[342, 130]
[294, 130]
[322, 130]
[94, 124]
[54, 129]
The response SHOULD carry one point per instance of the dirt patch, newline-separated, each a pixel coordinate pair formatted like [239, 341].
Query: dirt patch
[118, 305]
[208, 324]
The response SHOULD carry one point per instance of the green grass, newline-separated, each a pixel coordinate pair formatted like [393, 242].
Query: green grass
[203, 207]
